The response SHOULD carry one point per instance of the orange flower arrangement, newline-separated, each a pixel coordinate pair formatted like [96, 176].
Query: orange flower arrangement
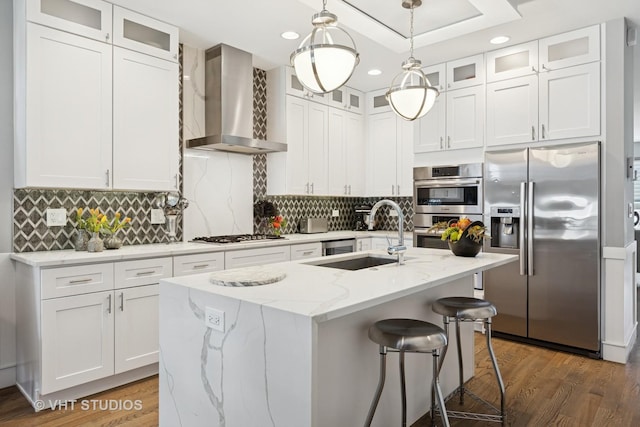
[277, 223]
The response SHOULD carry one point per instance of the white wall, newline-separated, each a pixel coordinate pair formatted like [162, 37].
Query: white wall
[7, 286]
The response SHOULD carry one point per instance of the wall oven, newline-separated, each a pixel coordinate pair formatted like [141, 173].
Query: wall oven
[448, 189]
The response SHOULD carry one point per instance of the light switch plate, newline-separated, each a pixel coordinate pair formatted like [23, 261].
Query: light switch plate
[214, 319]
[335, 213]
[56, 217]
[393, 212]
[157, 216]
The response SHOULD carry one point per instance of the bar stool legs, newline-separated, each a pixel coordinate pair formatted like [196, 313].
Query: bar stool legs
[382, 377]
[494, 362]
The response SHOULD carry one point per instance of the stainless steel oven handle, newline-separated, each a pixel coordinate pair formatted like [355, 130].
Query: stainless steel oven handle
[446, 182]
[530, 229]
[521, 226]
[424, 232]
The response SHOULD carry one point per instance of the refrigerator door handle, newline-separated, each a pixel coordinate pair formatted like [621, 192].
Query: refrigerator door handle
[530, 229]
[521, 238]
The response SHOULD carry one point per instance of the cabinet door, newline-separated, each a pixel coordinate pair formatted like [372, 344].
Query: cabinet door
[145, 122]
[570, 102]
[377, 102]
[337, 163]
[354, 154]
[317, 148]
[514, 61]
[88, 18]
[568, 49]
[68, 110]
[259, 256]
[141, 272]
[355, 101]
[363, 244]
[465, 72]
[184, 265]
[137, 32]
[295, 88]
[136, 327]
[465, 119]
[430, 129]
[512, 111]
[77, 340]
[297, 140]
[404, 158]
[382, 154]
[437, 76]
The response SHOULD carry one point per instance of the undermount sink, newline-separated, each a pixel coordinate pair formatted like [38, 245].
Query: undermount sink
[359, 263]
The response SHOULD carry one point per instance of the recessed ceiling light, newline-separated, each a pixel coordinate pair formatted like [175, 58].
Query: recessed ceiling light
[290, 35]
[374, 72]
[499, 40]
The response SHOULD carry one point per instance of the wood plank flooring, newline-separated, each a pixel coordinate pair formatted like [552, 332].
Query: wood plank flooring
[544, 388]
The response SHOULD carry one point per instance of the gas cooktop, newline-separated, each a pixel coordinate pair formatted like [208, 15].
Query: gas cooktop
[237, 238]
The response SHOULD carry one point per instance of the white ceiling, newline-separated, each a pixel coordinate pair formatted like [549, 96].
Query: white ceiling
[255, 26]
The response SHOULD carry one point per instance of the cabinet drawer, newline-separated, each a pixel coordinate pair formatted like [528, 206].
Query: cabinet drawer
[142, 272]
[306, 250]
[249, 257]
[198, 263]
[81, 279]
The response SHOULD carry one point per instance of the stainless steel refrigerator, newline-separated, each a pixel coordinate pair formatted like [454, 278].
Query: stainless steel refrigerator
[543, 204]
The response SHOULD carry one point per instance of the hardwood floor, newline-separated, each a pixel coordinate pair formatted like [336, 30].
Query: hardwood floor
[543, 388]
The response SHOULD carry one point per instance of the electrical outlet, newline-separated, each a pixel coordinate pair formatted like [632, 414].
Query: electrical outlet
[393, 212]
[56, 217]
[335, 213]
[214, 319]
[157, 216]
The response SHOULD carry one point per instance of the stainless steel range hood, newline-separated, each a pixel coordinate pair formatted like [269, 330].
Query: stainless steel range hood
[229, 104]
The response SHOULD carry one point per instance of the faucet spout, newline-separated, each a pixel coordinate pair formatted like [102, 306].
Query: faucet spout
[400, 248]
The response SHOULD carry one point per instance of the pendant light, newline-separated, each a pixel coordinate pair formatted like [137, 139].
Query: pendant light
[326, 58]
[411, 95]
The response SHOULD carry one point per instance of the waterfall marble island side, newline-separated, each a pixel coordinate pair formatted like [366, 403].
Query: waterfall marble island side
[296, 353]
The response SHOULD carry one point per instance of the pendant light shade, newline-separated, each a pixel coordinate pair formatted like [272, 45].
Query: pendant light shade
[411, 95]
[326, 58]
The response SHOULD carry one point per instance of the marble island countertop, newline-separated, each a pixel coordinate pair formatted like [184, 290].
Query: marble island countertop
[324, 293]
[69, 257]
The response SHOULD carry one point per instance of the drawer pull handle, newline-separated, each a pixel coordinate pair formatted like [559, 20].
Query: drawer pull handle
[307, 252]
[144, 273]
[77, 282]
[196, 267]
[121, 301]
[109, 304]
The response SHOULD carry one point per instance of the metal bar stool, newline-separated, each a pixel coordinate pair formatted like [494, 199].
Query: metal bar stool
[414, 336]
[467, 309]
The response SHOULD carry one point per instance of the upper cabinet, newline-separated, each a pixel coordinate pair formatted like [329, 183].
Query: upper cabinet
[140, 33]
[465, 72]
[437, 76]
[85, 110]
[514, 61]
[88, 18]
[347, 98]
[377, 102]
[568, 49]
[294, 87]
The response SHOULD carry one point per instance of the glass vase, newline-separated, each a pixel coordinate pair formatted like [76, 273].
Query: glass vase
[80, 240]
[95, 243]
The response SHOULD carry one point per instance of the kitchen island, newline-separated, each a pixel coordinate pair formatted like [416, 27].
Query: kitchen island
[295, 353]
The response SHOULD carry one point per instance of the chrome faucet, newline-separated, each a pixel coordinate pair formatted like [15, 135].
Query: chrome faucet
[400, 248]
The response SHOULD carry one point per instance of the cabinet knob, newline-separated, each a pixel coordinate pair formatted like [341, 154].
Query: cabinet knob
[544, 134]
[533, 133]
[448, 141]
[108, 180]
[106, 37]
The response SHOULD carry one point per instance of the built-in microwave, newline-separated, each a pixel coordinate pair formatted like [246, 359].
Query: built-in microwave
[448, 189]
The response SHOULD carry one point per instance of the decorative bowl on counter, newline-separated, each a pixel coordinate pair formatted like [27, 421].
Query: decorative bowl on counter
[465, 247]
[463, 236]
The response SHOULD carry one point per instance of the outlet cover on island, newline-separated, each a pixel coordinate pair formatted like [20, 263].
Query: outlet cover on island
[157, 216]
[214, 319]
[56, 217]
[335, 213]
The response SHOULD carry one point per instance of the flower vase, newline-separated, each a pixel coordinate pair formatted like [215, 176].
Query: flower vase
[80, 240]
[95, 243]
[112, 242]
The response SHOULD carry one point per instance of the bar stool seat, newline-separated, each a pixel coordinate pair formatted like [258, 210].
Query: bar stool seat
[408, 335]
[468, 309]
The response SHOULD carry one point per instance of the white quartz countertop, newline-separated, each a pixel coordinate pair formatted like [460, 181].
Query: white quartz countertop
[70, 257]
[324, 293]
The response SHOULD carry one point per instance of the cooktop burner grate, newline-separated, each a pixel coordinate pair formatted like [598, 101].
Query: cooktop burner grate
[237, 238]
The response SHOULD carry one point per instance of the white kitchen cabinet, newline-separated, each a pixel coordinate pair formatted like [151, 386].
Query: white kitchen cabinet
[88, 18]
[390, 150]
[571, 48]
[431, 129]
[140, 33]
[145, 122]
[184, 265]
[136, 327]
[514, 61]
[512, 111]
[258, 256]
[63, 122]
[303, 168]
[346, 148]
[347, 98]
[437, 76]
[77, 340]
[306, 250]
[465, 72]
[377, 102]
[363, 244]
[294, 87]
[142, 272]
[569, 103]
[465, 118]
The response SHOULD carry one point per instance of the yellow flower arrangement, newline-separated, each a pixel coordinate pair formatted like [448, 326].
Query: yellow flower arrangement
[115, 224]
[96, 221]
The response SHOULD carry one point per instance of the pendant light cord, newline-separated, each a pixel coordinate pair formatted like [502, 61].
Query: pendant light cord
[410, 32]
[324, 5]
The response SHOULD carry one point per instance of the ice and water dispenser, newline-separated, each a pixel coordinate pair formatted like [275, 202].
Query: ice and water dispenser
[505, 227]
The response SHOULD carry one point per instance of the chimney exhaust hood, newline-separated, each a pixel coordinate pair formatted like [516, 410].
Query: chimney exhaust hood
[229, 104]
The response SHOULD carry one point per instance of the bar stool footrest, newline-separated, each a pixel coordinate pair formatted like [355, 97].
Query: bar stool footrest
[478, 416]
